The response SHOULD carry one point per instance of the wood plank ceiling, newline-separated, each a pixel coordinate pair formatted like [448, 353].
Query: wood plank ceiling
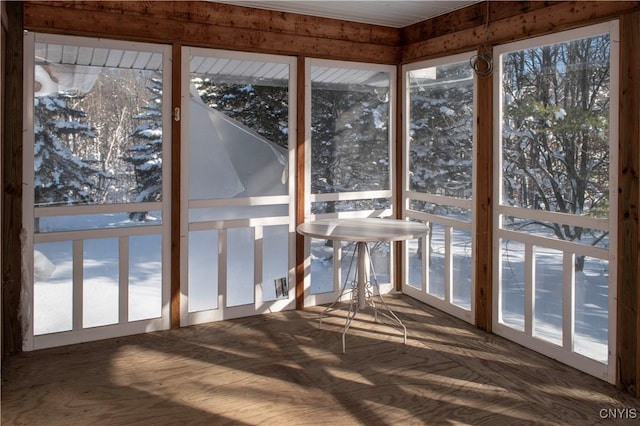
[389, 13]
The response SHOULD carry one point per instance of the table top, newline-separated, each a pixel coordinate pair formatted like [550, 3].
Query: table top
[363, 229]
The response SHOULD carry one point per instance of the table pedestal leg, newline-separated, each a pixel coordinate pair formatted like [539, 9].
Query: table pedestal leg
[362, 272]
[362, 293]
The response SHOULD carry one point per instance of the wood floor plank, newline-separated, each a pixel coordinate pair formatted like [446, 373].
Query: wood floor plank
[284, 369]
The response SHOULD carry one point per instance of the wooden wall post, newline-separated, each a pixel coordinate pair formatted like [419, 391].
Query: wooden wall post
[3, 37]
[628, 316]
[483, 250]
[12, 182]
[176, 95]
[300, 173]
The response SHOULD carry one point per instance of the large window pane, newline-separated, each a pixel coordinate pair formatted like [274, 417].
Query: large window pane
[441, 130]
[557, 198]
[439, 176]
[555, 129]
[350, 127]
[84, 152]
[96, 148]
[237, 113]
[239, 128]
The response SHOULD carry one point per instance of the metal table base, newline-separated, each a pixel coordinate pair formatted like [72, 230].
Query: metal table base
[362, 294]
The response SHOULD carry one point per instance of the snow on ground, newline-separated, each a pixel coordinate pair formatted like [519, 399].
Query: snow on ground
[53, 293]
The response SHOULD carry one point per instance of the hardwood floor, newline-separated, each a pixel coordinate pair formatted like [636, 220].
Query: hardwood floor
[282, 369]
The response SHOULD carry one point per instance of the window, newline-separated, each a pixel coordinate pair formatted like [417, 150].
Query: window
[556, 179]
[351, 161]
[99, 181]
[439, 135]
[236, 171]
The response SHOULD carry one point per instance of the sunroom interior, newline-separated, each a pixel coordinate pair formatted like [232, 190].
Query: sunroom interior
[158, 156]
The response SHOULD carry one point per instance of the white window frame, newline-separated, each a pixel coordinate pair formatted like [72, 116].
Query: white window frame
[421, 294]
[222, 312]
[562, 353]
[123, 327]
[309, 198]
[328, 297]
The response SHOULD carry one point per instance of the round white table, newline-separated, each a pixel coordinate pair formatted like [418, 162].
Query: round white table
[362, 231]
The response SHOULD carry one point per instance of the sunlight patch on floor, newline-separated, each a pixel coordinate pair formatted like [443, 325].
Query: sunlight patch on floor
[348, 375]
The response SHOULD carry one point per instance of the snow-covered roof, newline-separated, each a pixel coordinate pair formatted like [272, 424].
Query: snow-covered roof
[55, 53]
[227, 159]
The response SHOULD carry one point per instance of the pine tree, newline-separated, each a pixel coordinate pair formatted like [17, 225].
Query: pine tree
[146, 155]
[61, 176]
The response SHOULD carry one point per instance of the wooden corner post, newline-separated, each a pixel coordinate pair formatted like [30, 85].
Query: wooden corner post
[12, 182]
[628, 317]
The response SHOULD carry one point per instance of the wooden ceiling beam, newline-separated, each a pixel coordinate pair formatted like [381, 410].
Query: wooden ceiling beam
[466, 18]
[224, 15]
[224, 26]
[506, 24]
[216, 25]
